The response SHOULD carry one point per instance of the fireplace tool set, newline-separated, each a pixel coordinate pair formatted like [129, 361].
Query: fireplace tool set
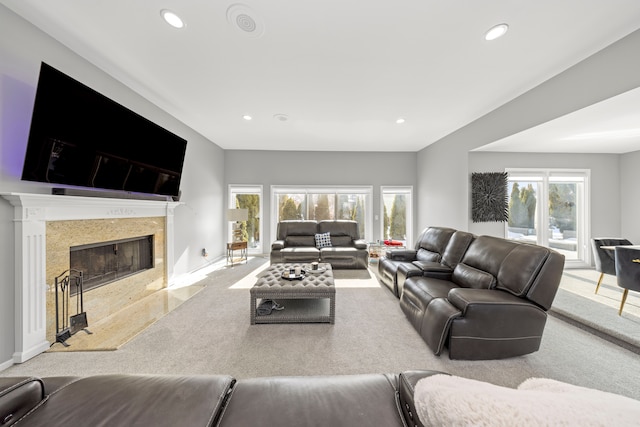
[67, 325]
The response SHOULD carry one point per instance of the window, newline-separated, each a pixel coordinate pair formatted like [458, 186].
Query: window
[250, 198]
[323, 203]
[550, 207]
[396, 214]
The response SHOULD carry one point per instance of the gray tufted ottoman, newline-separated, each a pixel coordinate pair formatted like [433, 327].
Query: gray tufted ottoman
[310, 300]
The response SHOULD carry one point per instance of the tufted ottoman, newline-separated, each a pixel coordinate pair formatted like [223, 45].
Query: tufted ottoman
[310, 300]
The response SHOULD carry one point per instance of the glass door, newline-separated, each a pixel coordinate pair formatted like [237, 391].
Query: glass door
[250, 198]
[396, 215]
[550, 208]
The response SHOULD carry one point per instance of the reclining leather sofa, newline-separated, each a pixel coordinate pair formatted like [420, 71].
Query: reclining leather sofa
[211, 400]
[296, 243]
[438, 250]
[492, 305]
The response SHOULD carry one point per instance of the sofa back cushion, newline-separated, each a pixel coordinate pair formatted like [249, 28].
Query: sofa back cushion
[294, 241]
[297, 228]
[522, 269]
[425, 255]
[435, 239]
[344, 228]
[487, 253]
[468, 277]
[341, 241]
[457, 246]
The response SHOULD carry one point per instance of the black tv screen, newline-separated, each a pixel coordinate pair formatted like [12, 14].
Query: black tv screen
[79, 137]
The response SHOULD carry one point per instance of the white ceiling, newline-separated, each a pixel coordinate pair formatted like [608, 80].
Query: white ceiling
[342, 71]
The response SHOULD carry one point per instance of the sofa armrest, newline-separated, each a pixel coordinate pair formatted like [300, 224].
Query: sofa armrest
[277, 245]
[18, 396]
[468, 299]
[360, 244]
[402, 254]
[407, 385]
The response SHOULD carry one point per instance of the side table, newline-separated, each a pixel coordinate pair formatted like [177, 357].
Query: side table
[236, 246]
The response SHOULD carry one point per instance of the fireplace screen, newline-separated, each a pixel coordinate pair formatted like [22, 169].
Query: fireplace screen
[106, 262]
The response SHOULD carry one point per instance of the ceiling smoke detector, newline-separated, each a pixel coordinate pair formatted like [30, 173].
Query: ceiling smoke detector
[241, 17]
[281, 117]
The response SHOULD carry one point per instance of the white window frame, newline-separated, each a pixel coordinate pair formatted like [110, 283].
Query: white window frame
[583, 204]
[398, 189]
[366, 190]
[234, 189]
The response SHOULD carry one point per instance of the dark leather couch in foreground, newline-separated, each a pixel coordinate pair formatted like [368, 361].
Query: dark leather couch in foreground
[483, 297]
[211, 400]
[296, 243]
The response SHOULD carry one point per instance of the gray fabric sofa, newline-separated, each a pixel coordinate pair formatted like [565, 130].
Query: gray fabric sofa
[492, 305]
[296, 243]
[211, 400]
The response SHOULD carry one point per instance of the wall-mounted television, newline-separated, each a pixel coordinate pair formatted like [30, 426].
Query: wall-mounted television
[81, 138]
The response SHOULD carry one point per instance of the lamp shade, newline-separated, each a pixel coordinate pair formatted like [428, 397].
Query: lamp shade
[237, 214]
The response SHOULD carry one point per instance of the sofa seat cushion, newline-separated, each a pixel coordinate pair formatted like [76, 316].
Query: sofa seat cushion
[338, 251]
[342, 400]
[294, 254]
[345, 258]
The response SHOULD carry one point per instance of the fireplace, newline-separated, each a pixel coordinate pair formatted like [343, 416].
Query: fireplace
[47, 226]
[105, 262]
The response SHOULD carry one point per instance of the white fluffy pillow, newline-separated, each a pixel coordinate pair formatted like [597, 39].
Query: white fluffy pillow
[444, 400]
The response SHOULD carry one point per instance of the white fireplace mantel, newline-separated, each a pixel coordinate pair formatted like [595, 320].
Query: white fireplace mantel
[31, 213]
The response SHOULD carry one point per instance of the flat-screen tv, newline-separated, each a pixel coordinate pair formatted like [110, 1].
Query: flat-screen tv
[79, 137]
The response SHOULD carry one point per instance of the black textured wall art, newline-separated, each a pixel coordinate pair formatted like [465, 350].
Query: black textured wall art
[489, 201]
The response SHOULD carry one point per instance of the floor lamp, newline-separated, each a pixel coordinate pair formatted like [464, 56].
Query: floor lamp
[237, 216]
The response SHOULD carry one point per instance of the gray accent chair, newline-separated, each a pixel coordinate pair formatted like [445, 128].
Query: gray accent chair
[627, 271]
[604, 258]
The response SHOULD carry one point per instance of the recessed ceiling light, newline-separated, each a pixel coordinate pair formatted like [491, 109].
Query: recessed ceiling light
[247, 117]
[496, 32]
[400, 121]
[171, 18]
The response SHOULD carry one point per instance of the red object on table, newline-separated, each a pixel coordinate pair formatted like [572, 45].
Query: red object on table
[393, 243]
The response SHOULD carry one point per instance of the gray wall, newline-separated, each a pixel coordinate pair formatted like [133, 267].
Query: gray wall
[604, 177]
[630, 197]
[198, 222]
[444, 169]
[269, 168]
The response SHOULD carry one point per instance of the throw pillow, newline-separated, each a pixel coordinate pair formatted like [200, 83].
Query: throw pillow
[323, 240]
[445, 400]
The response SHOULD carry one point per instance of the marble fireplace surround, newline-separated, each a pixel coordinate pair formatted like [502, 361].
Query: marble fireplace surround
[37, 216]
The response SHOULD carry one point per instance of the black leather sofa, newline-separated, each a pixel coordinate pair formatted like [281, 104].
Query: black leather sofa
[296, 243]
[438, 250]
[211, 400]
[483, 297]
